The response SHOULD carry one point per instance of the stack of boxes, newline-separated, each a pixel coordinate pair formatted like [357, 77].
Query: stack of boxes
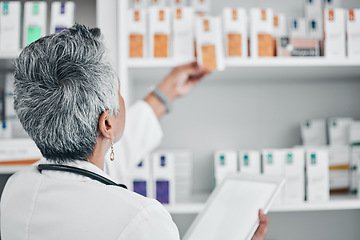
[166, 176]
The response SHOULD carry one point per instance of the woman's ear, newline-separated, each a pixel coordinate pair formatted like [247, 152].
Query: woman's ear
[106, 127]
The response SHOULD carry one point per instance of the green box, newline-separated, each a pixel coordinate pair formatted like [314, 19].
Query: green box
[34, 33]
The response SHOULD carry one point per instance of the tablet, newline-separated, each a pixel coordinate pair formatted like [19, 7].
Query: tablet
[231, 212]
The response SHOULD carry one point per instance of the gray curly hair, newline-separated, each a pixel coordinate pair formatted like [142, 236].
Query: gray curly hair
[63, 82]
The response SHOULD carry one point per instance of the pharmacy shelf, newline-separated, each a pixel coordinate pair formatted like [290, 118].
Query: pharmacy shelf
[261, 62]
[341, 202]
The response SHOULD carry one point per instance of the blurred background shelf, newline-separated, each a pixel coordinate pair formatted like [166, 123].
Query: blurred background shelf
[9, 55]
[337, 202]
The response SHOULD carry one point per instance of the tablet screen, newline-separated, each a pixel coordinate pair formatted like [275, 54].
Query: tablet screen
[233, 212]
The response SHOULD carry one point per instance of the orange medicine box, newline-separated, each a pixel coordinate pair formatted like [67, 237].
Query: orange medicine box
[353, 32]
[137, 33]
[159, 32]
[262, 43]
[235, 32]
[209, 43]
[183, 32]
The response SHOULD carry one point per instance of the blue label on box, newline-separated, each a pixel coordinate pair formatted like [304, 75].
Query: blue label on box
[140, 187]
[162, 161]
[162, 191]
[59, 29]
[62, 8]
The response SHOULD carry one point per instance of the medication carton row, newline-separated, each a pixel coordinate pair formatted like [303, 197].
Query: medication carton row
[165, 176]
[34, 22]
[287, 163]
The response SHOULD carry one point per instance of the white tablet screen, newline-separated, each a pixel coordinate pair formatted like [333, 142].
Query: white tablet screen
[233, 213]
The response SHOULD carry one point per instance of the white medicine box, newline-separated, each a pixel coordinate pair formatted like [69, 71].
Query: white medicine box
[183, 32]
[137, 33]
[280, 26]
[164, 177]
[178, 3]
[328, 4]
[235, 32]
[353, 33]
[335, 35]
[141, 181]
[298, 28]
[34, 27]
[10, 25]
[139, 4]
[209, 43]
[317, 173]
[62, 16]
[315, 27]
[250, 162]
[313, 8]
[294, 189]
[159, 32]
[261, 33]
[225, 162]
[338, 129]
[201, 7]
[157, 3]
[313, 132]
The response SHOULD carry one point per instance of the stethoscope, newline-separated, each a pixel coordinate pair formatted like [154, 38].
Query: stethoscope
[79, 171]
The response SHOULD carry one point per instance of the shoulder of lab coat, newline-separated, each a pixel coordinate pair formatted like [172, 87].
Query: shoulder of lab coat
[153, 222]
[141, 136]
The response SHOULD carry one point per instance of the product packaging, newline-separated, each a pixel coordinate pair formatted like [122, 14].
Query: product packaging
[209, 43]
[164, 177]
[225, 162]
[313, 132]
[235, 32]
[62, 16]
[338, 129]
[261, 33]
[10, 25]
[354, 133]
[139, 4]
[335, 37]
[294, 189]
[250, 162]
[202, 7]
[183, 32]
[317, 174]
[178, 3]
[353, 33]
[141, 180]
[159, 32]
[157, 3]
[330, 4]
[137, 33]
[34, 27]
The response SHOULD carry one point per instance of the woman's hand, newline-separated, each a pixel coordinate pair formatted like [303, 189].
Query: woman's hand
[261, 231]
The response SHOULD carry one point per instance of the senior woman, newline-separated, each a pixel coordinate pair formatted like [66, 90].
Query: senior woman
[68, 100]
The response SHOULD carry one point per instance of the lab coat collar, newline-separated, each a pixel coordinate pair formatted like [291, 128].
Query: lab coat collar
[73, 176]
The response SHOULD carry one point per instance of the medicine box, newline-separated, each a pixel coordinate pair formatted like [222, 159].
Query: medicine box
[261, 33]
[62, 16]
[329, 4]
[137, 33]
[339, 180]
[317, 174]
[235, 32]
[334, 29]
[273, 164]
[339, 155]
[338, 129]
[250, 162]
[313, 8]
[27, 154]
[225, 162]
[141, 179]
[298, 47]
[178, 3]
[10, 24]
[313, 132]
[34, 27]
[298, 28]
[315, 27]
[353, 33]
[157, 3]
[201, 7]
[280, 26]
[139, 4]
[183, 32]
[294, 188]
[209, 43]
[159, 32]
[354, 133]
[164, 177]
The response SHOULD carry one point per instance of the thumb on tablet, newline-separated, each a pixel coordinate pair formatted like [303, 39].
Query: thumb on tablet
[261, 231]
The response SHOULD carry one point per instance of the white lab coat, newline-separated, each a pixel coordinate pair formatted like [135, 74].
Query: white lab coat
[58, 205]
